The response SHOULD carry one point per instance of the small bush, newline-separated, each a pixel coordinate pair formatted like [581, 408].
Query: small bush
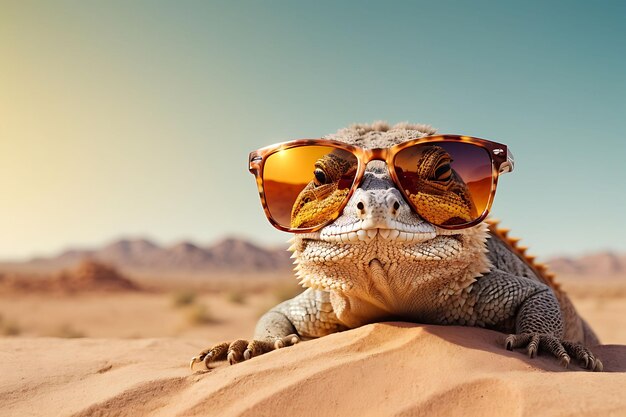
[199, 314]
[66, 331]
[9, 328]
[236, 297]
[183, 298]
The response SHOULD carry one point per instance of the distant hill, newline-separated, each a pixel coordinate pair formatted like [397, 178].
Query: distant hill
[235, 254]
[597, 264]
[227, 254]
[87, 275]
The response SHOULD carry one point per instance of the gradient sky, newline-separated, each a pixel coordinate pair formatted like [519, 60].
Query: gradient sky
[135, 118]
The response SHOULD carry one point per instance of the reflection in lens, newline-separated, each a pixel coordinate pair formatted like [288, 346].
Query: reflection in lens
[448, 183]
[305, 186]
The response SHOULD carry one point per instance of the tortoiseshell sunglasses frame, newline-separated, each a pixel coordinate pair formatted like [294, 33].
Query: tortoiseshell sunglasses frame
[501, 162]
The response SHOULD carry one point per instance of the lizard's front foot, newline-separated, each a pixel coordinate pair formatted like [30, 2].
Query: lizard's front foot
[561, 349]
[240, 350]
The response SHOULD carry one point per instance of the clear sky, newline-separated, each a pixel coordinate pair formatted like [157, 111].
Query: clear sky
[135, 118]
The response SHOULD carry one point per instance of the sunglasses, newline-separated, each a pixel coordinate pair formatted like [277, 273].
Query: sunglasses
[448, 180]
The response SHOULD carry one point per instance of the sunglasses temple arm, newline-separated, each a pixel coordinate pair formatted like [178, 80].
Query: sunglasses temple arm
[254, 162]
[509, 164]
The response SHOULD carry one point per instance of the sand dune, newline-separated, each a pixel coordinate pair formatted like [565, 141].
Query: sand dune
[86, 276]
[382, 369]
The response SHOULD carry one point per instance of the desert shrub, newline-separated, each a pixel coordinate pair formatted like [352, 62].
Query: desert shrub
[199, 314]
[183, 298]
[236, 297]
[9, 328]
[66, 331]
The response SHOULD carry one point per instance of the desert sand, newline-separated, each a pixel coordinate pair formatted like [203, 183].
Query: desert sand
[376, 370]
[126, 353]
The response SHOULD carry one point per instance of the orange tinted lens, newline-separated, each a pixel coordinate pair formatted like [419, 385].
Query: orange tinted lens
[447, 183]
[306, 186]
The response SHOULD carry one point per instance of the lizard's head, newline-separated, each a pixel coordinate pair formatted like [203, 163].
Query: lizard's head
[377, 223]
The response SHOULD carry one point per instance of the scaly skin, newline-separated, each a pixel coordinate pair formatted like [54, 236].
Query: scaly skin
[380, 261]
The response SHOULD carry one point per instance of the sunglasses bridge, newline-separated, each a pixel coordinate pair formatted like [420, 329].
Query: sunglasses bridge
[375, 154]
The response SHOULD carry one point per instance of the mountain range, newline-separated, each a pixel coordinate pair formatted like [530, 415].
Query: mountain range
[226, 254]
[596, 264]
[234, 254]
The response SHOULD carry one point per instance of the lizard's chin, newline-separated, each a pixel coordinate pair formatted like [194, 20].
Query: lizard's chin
[339, 266]
[343, 266]
[352, 243]
[380, 246]
[389, 246]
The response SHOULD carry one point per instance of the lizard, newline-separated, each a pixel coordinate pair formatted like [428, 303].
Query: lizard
[379, 261]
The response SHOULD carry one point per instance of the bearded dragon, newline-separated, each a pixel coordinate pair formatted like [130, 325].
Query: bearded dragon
[380, 261]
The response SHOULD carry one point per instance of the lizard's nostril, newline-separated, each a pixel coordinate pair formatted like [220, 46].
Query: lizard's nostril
[360, 206]
[396, 206]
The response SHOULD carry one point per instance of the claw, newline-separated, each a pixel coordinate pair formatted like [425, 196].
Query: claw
[589, 362]
[592, 363]
[235, 350]
[564, 361]
[207, 359]
[247, 354]
[533, 347]
[508, 343]
[290, 340]
[195, 360]
[599, 367]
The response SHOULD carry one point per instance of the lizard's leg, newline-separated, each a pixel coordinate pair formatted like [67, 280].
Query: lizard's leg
[539, 326]
[273, 331]
[499, 297]
[306, 315]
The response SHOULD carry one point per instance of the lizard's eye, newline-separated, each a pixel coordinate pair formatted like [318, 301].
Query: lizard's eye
[443, 172]
[320, 176]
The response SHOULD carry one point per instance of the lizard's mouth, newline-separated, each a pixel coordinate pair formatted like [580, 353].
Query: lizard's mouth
[364, 232]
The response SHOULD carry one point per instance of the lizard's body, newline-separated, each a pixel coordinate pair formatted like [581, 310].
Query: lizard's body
[380, 261]
[490, 301]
